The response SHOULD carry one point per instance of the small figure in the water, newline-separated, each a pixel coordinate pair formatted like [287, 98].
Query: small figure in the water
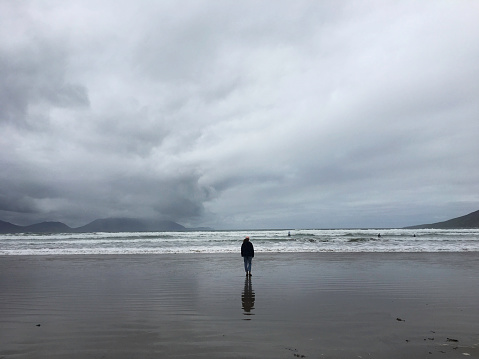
[289, 234]
[379, 235]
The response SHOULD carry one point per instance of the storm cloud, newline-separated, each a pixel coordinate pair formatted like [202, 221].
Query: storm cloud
[252, 114]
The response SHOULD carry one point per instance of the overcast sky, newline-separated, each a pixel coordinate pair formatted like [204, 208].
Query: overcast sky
[239, 114]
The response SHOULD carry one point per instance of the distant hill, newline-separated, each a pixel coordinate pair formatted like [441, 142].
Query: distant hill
[7, 227]
[99, 225]
[470, 220]
[47, 227]
[129, 225]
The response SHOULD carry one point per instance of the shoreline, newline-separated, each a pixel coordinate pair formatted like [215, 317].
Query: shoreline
[331, 305]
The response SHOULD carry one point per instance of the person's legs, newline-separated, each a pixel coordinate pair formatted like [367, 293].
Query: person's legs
[247, 264]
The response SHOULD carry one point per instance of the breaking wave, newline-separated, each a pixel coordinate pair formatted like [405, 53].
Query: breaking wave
[339, 240]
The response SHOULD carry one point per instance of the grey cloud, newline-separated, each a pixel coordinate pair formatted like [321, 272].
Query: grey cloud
[35, 74]
[244, 114]
[20, 204]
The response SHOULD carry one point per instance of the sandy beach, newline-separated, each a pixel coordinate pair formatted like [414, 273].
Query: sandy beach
[316, 305]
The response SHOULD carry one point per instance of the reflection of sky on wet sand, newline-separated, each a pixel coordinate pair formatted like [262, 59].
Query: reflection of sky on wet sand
[145, 306]
[247, 297]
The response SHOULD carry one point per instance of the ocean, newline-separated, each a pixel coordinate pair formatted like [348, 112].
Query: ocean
[267, 241]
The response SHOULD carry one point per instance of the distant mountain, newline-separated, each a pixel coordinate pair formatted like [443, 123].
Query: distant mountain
[47, 227]
[99, 225]
[470, 220]
[129, 225]
[7, 227]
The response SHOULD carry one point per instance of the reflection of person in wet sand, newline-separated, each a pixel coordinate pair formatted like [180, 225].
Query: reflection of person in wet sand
[247, 297]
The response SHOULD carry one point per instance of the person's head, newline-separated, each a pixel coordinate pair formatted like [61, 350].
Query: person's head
[246, 239]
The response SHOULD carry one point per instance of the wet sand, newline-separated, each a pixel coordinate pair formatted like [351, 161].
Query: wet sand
[328, 305]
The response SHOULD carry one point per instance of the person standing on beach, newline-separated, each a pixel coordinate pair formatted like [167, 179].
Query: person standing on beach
[247, 252]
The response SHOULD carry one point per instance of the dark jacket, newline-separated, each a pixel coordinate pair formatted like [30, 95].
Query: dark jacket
[247, 249]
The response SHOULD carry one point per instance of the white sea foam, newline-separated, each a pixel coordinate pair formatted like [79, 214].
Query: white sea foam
[339, 240]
